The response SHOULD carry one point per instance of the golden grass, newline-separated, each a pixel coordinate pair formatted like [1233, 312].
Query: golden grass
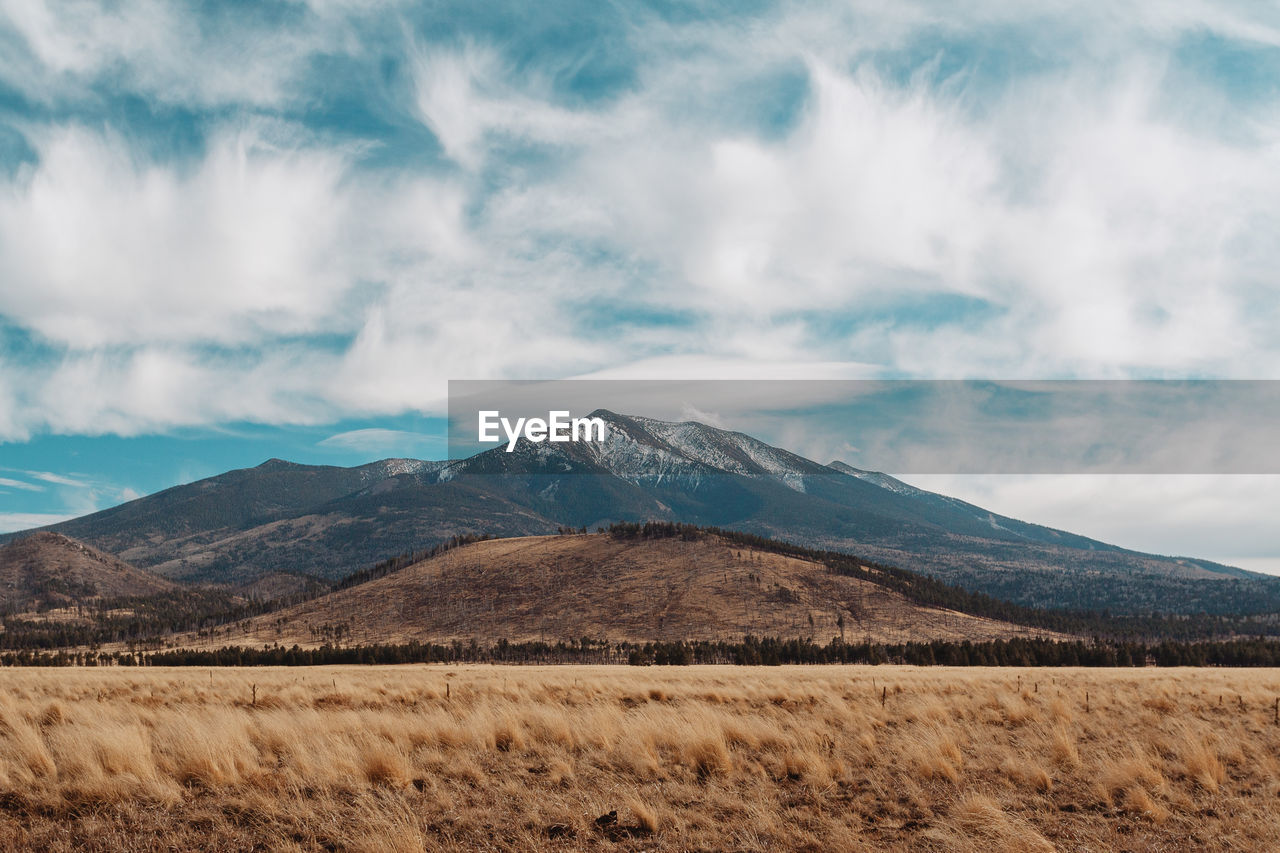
[712, 758]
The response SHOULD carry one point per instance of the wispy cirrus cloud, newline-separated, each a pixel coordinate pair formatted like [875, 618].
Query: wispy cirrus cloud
[204, 57]
[60, 479]
[9, 483]
[36, 497]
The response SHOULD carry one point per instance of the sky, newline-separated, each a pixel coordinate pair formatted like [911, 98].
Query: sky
[237, 231]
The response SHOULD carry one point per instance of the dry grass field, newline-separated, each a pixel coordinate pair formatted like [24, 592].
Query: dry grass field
[712, 758]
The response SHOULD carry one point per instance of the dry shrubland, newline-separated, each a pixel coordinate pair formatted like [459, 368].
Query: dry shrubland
[700, 758]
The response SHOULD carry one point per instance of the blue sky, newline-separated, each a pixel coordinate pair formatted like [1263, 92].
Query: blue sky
[233, 231]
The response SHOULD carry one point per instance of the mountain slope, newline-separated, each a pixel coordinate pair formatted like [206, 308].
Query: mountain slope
[247, 523]
[50, 569]
[330, 521]
[237, 499]
[943, 506]
[566, 587]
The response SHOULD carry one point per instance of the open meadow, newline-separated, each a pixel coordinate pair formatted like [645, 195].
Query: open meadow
[690, 758]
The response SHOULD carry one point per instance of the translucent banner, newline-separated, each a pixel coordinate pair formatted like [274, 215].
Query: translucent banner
[901, 427]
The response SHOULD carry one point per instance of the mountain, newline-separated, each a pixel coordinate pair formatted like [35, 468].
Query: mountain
[243, 525]
[238, 499]
[552, 588]
[328, 521]
[51, 570]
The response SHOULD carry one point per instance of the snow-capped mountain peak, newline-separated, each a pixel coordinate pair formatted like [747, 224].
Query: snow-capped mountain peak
[640, 448]
[652, 451]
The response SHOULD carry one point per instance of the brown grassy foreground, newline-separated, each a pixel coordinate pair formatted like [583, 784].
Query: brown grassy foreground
[713, 758]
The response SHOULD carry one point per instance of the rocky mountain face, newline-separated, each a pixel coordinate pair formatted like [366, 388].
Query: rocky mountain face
[329, 521]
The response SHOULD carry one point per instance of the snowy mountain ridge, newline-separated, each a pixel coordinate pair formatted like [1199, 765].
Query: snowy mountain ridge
[653, 452]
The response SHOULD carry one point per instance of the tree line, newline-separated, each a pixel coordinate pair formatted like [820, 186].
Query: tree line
[751, 651]
[138, 620]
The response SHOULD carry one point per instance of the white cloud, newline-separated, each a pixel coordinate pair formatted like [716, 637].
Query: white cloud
[59, 479]
[170, 54]
[877, 189]
[13, 521]
[1106, 233]
[9, 483]
[469, 100]
[679, 367]
[382, 440]
[109, 251]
